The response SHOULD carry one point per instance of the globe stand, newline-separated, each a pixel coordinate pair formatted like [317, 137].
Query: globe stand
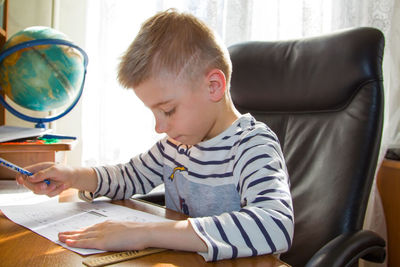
[40, 122]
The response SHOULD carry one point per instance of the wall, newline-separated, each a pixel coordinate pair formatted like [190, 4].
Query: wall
[69, 17]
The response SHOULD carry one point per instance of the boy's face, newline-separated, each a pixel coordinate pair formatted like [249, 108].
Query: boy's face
[182, 110]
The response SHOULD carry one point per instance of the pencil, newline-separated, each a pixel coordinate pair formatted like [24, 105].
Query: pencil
[16, 168]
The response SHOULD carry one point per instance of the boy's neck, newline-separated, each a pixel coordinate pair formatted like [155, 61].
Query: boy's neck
[227, 115]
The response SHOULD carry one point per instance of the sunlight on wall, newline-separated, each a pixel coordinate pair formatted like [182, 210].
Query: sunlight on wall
[116, 125]
[286, 19]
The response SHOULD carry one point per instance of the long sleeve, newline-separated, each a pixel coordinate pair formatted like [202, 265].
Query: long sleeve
[234, 187]
[264, 224]
[141, 174]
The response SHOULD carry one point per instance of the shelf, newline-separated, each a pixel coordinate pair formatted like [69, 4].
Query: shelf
[27, 154]
[388, 182]
[64, 145]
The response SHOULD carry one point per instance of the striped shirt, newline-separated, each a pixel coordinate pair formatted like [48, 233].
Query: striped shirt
[234, 187]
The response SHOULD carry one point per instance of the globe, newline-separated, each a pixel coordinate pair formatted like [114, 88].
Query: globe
[41, 70]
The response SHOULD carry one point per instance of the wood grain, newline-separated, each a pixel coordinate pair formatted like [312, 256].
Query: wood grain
[388, 182]
[27, 154]
[22, 247]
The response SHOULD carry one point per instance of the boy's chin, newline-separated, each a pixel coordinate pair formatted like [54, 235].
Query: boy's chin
[181, 140]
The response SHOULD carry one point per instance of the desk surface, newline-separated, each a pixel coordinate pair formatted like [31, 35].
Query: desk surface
[22, 247]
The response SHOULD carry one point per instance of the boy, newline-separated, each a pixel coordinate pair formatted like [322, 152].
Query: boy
[223, 169]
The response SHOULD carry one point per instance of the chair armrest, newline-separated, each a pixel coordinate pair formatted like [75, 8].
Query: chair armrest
[347, 249]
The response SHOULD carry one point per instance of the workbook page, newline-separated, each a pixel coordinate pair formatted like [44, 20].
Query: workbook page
[49, 218]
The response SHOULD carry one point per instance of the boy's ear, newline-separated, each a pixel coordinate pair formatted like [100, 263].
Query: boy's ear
[216, 84]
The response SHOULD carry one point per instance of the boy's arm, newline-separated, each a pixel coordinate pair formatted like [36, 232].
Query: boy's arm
[182, 232]
[139, 176]
[85, 179]
[114, 236]
[264, 225]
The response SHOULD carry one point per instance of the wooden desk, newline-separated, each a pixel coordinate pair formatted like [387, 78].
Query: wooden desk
[28, 154]
[22, 247]
[388, 182]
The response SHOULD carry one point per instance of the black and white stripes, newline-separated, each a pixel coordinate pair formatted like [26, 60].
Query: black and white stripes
[235, 188]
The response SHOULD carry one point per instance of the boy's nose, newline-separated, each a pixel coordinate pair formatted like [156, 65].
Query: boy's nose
[161, 126]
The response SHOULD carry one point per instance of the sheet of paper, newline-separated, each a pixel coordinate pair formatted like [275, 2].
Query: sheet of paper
[9, 133]
[49, 218]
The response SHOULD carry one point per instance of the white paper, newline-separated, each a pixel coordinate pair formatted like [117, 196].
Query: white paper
[49, 218]
[9, 133]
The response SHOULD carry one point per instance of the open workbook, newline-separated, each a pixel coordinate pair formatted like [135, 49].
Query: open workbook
[49, 218]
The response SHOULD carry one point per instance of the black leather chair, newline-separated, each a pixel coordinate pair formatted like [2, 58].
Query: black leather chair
[323, 97]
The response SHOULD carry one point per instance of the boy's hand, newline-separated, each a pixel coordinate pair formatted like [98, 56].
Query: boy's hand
[109, 235]
[60, 178]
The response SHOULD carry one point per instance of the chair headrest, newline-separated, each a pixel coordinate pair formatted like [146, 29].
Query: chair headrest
[325, 71]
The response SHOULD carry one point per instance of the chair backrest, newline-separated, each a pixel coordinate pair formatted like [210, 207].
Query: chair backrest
[323, 97]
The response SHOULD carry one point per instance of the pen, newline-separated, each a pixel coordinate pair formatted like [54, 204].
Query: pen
[16, 168]
[57, 136]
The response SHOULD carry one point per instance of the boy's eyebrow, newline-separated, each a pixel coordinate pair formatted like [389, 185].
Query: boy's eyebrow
[161, 103]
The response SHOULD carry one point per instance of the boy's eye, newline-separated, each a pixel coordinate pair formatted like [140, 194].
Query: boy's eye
[170, 112]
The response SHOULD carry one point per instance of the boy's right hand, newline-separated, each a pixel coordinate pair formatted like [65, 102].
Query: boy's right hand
[61, 178]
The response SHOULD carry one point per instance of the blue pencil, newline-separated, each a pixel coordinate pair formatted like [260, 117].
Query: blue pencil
[16, 168]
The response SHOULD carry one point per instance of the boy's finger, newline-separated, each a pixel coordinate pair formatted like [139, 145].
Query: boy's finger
[82, 243]
[42, 188]
[67, 233]
[42, 175]
[85, 242]
[38, 177]
[26, 183]
[19, 179]
[57, 190]
[39, 166]
[34, 187]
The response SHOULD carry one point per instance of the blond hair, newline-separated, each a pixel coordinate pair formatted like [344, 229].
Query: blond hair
[177, 43]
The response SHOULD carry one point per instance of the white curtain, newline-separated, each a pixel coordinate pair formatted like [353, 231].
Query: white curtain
[117, 126]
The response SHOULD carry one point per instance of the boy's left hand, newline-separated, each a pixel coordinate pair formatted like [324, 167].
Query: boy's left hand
[108, 235]
[120, 236]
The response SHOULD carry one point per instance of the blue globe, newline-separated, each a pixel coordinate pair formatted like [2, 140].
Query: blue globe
[44, 77]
